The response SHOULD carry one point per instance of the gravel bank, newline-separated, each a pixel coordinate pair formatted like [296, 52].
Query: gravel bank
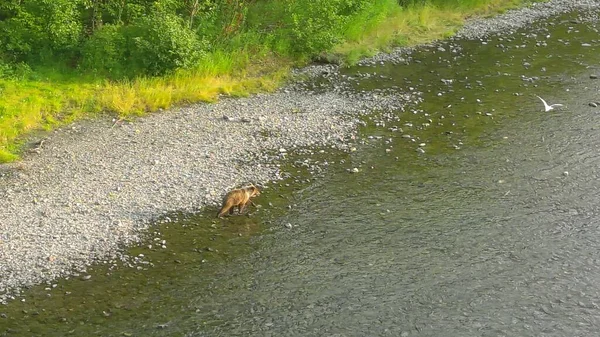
[95, 186]
[511, 21]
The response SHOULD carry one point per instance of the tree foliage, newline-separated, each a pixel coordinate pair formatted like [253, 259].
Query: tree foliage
[152, 37]
[317, 25]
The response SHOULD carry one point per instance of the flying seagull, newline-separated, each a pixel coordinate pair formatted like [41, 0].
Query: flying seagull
[546, 106]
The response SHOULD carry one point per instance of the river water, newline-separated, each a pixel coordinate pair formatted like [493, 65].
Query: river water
[491, 230]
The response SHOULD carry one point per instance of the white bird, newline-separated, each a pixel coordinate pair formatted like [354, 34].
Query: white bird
[546, 106]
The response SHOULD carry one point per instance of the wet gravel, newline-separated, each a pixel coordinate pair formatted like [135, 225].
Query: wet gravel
[95, 186]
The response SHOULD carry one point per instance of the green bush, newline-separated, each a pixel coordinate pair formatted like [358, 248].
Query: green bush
[153, 45]
[153, 37]
[19, 38]
[317, 25]
[126, 38]
[19, 71]
[160, 43]
[40, 29]
[104, 52]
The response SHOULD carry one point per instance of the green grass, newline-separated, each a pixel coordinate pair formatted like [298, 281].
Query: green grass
[416, 23]
[254, 60]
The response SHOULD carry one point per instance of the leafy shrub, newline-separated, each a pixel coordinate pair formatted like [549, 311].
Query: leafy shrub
[153, 45]
[317, 25]
[19, 37]
[104, 51]
[19, 71]
[40, 29]
[160, 43]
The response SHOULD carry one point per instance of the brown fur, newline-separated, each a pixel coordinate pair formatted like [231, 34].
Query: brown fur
[240, 198]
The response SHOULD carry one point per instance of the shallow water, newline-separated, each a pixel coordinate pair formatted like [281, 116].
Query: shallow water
[492, 231]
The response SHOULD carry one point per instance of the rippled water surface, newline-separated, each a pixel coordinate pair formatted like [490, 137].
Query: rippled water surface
[492, 231]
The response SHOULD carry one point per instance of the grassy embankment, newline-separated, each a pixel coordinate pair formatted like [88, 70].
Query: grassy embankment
[244, 64]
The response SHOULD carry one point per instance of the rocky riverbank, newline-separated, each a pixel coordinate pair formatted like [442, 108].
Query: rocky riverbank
[91, 188]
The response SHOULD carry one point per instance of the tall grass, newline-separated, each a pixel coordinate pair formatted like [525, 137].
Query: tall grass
[411, 23]
[256, 59]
